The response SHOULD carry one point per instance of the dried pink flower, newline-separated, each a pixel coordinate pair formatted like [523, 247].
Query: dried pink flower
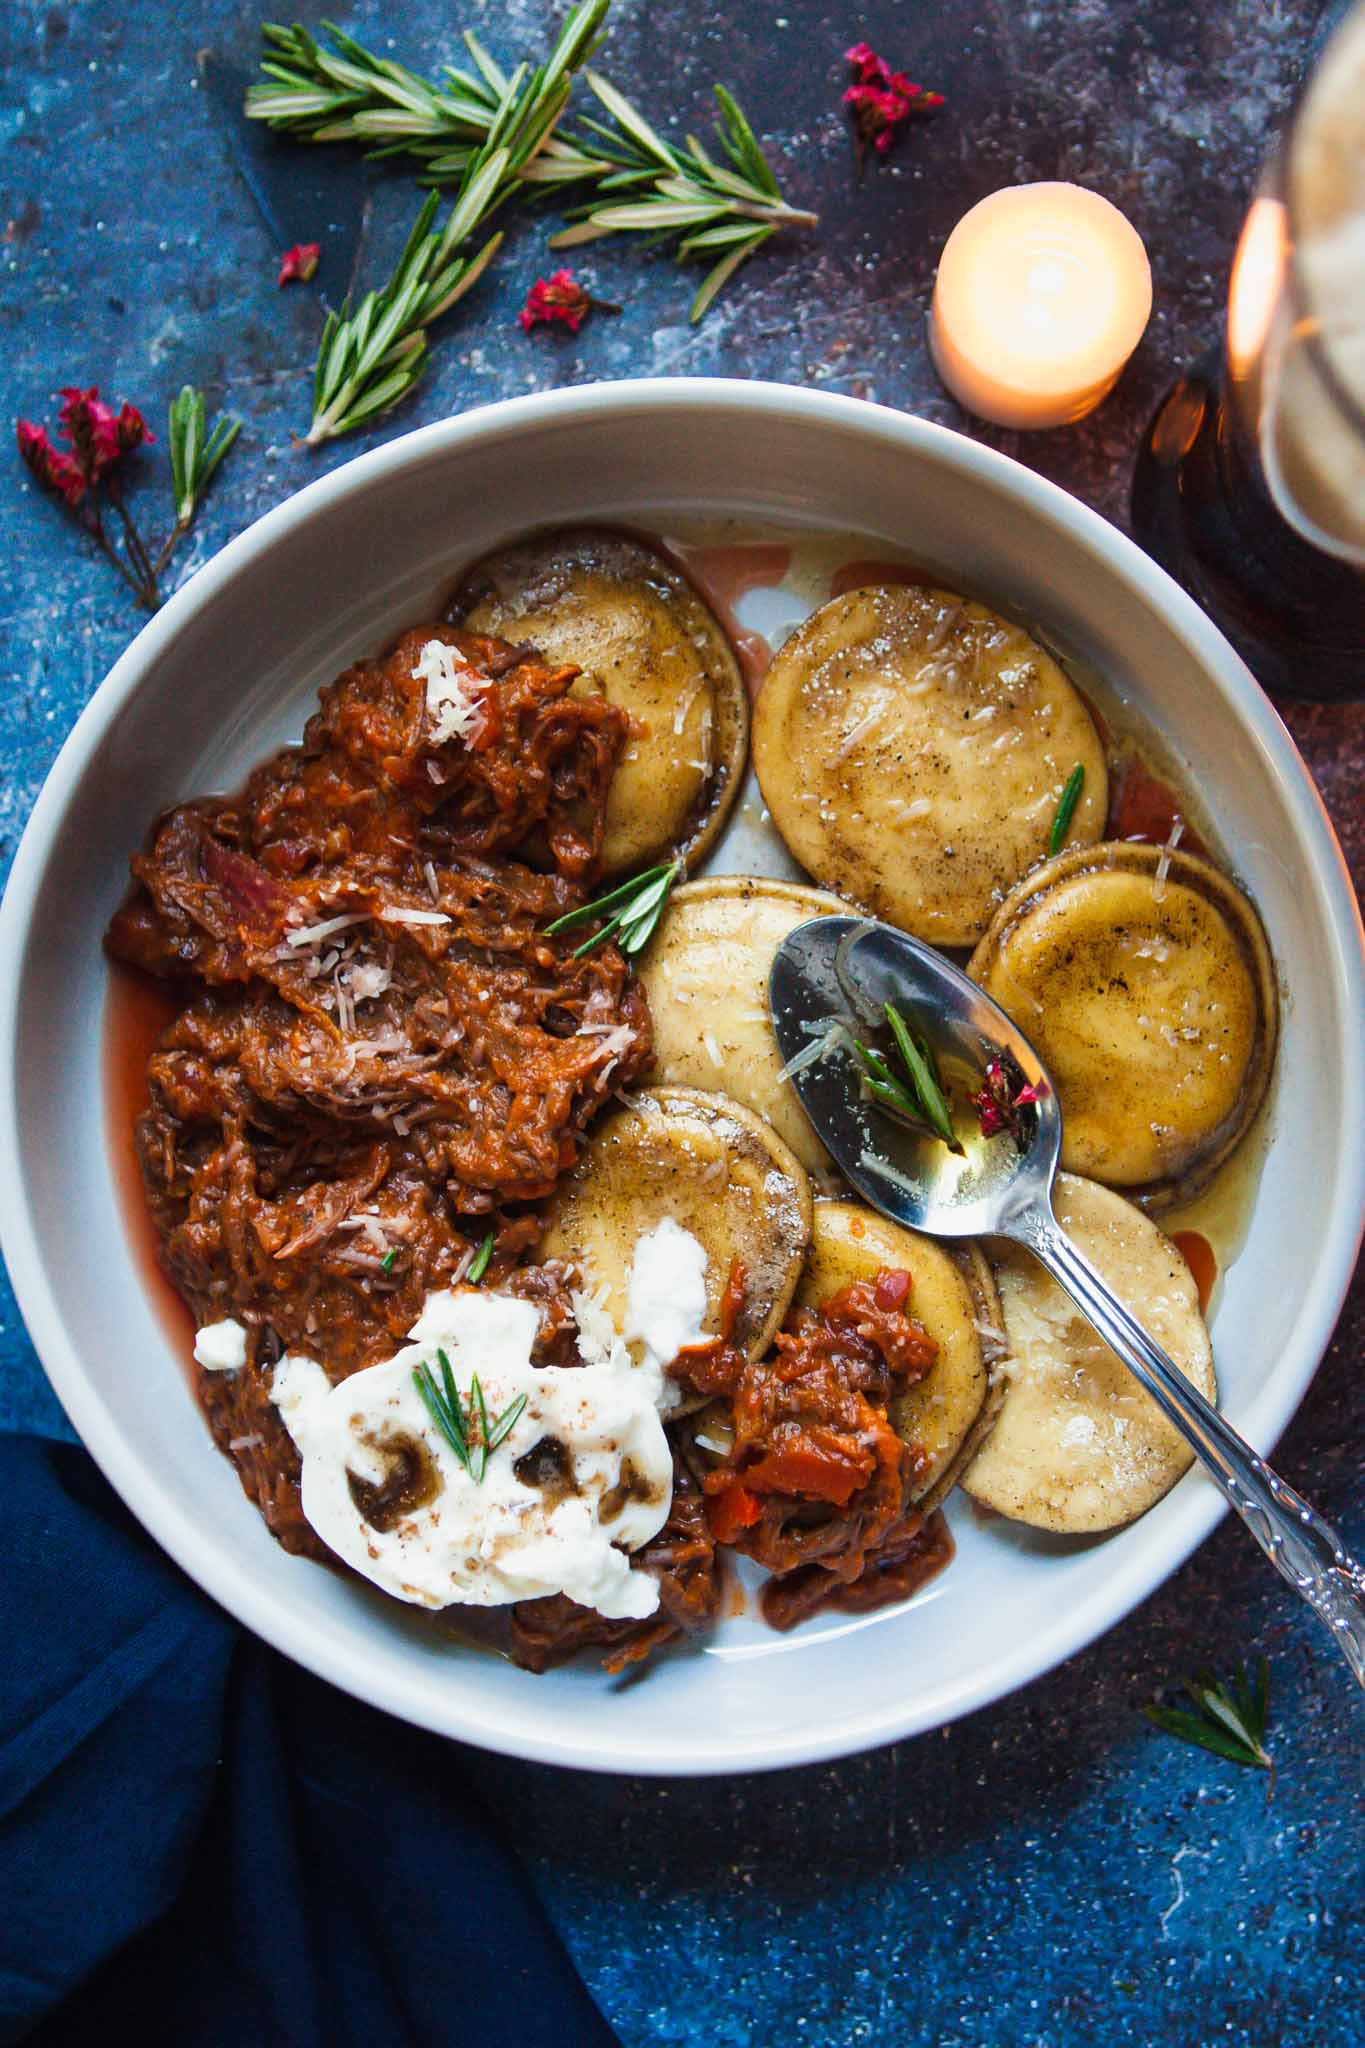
[560, 298]
[882, 100]
[300, 262]
[1003, 1099]
[53, 468]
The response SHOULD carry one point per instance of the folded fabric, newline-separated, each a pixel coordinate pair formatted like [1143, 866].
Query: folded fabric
[202, 1844]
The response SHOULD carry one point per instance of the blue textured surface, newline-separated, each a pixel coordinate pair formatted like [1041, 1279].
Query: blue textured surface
[1052, 1872]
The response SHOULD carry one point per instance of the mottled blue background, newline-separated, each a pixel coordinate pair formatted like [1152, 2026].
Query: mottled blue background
[1053, 1871]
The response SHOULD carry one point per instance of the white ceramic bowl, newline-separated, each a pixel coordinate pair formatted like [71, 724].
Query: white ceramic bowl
[228, 670]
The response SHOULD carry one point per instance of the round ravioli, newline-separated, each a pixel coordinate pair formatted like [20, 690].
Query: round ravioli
[644, 639]
[719, 1172]
[913, 747]
[1143, 978]
[947, 1414]
[706, 976]
[1078, 1445]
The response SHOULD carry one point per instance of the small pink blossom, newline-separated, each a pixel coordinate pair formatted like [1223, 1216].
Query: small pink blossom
[1003, 1099]
[560, 298]
[53, 468]
[882, 100]
[300, 263]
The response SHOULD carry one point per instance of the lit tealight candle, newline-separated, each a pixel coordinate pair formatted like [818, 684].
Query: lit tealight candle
[1041, 297]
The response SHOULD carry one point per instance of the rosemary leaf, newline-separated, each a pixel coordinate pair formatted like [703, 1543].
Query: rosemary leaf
[195, 453]
[476, 1402]
[638, 905]
[444, 1406]
[588, 911]
[506, 1423]
[1229, 1719]
[468, 1431]
[1066, 808]
[924, 1082]
[479, 1265]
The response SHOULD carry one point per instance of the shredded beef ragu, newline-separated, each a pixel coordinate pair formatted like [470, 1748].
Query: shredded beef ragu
[378, 1054]
[816, 1483]
[396, 1083]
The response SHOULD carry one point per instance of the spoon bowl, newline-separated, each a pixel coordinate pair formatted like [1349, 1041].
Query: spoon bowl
[830, 983]
[847, 969]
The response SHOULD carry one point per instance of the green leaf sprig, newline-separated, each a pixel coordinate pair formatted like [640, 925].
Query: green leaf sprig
[335, 90]
[631, 911]
[1066, 809]
[479, 1263]
[1229, 1719]
[195, 453]
[722, 211]
[465, 1425]
[919, 1097]
[332, 89]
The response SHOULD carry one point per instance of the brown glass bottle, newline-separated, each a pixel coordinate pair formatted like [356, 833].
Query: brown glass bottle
[1202, 507]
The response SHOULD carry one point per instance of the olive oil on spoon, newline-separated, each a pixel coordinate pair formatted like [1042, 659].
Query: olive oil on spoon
[1001, 1186]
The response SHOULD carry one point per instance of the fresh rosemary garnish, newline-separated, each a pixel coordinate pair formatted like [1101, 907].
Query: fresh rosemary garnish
[195, 454]
[636, 907]
[1066, 808]
[1229, 1719]
[465, 1426]
[368, 360]
[337, 90]
[725, 211]
[919, 1099]
[479, 1264]
[386, 1263]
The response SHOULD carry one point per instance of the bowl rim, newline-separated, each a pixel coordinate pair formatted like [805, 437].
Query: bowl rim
[276, 1616]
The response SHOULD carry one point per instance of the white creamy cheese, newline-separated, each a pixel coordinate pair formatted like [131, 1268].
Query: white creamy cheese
[221, 1347]
[666, 1300]
[487, 1543]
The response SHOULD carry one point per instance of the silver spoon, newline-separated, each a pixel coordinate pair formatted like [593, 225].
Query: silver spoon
[837, 966]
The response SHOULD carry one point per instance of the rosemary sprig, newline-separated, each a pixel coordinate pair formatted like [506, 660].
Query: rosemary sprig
[1066, 808]
[725, 210]
[368, 360]
[195, 453]
[1229, 1719]
[337, 90]
[930, 1104]
[636, 907]
[888, 1089]
[465, 1426]
[479, 1264]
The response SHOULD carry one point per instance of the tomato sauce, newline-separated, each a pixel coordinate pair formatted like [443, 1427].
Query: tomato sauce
[1198, 1254]
[137, 1009]
[1143, 806]
[857, 575]
[722, 575]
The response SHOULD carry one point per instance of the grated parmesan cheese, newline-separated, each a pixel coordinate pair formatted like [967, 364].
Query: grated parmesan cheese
[1163, 866]
[449, 706]
[309, 934]
[398, 913]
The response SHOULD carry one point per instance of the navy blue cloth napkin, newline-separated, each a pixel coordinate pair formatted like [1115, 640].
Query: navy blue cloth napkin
[205, 1845]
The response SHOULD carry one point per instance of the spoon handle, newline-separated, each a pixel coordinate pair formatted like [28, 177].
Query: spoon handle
[1304, 1548]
